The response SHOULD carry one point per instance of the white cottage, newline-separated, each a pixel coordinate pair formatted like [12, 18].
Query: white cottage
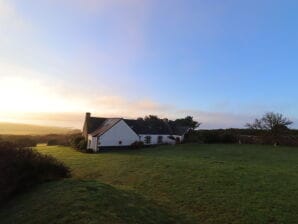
[103, 133]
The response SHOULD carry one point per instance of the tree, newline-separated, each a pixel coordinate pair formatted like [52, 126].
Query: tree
[188, 121]
[154, 121]
[152, 118]
[274, 122]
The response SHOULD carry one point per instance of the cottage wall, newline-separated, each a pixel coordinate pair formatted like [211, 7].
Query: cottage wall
[92, 143]
[154, 139]
[119, 135]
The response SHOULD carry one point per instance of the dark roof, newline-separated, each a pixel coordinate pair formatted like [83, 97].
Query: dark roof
[105, 126]
[178, 130]
[97, 126]
[142, 127]
[94, 123]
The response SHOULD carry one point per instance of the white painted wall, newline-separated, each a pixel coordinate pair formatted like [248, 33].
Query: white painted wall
[154, 139]
[92, 143]
[180, 137]
[120, 132]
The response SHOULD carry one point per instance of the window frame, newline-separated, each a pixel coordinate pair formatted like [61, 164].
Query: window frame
[148, 140]
[160, 139]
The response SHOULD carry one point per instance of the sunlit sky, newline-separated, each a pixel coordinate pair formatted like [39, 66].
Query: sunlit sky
[222, 61]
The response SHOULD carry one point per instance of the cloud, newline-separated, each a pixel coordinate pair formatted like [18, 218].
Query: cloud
[28, 90]
[89, 57]
[214, 120]
[210, 120]
[24, 89]
[117, 106]
[61, 119]
[119, 103]
[29, 97]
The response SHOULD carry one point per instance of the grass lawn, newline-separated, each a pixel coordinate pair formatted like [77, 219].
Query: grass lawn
[181, 184]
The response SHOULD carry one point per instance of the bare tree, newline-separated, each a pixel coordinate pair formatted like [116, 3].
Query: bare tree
[270, 121]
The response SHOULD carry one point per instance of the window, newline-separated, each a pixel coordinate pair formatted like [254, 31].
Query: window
[148, 140]
[89, 143]
[120, 142]
[160, 139]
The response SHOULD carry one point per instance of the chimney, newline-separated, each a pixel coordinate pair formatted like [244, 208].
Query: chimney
[88, 115]
[85, 127]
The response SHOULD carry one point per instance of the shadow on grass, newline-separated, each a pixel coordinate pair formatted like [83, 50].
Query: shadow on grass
[77, 201]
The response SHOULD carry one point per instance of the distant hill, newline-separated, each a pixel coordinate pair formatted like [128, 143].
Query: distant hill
[28, 129]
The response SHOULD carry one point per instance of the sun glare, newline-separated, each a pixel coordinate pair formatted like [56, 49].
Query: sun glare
[21, 95]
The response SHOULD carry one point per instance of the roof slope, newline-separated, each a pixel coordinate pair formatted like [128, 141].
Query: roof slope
[93, 123]
[154, 128]
[97, 126]
[176, 130]
[105, 126]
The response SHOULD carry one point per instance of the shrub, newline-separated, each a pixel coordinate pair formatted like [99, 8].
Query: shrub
[53, 142]
[137, 145]
[212, 136]
[21, 169]
[78, 142]
[289, 140]
[54, 139]
[75, 140]
[89, 150]
[20, 141]
[82, 144]
[229, 138]
[26, 142]
[243, 136]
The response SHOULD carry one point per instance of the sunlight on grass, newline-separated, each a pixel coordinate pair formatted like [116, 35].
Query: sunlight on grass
[205, 183]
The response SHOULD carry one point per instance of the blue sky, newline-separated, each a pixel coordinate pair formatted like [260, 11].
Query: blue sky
[223, 62]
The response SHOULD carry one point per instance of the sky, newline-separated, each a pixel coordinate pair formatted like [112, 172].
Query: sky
[224, 62]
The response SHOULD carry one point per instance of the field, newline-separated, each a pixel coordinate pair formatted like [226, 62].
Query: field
[28, 129]
[181, 184]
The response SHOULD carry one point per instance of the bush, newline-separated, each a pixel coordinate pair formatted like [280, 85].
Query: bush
[137, 145]
[20, 141]
[243, 136]
[212, 136]
[289, 140]
[21, 169]
[82, 145]
[78, 142]
[52, 142]
[31, 141]
[229, 138]
[89, 150]
[26, 142]
[54, 139]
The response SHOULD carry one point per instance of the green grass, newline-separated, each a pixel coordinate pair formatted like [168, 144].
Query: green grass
[186, 183]
[78, 201]
[28, 129]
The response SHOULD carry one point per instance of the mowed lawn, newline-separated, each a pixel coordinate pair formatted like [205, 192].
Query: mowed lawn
[167, 184]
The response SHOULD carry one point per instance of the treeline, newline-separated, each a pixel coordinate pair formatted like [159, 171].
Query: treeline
[242, 136]
[32, 140]
[75, 140]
